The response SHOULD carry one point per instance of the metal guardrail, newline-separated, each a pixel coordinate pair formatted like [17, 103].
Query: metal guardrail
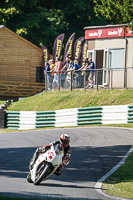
[71, 80]
[118, 114]
[130, 114]
[45, 119]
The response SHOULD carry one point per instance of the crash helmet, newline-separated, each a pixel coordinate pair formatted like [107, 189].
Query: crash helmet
[64, 140]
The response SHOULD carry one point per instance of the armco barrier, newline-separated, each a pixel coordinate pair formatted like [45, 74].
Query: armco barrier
[89, 115]
[45, 119]
[115, 114]
[23, 120]
[130, 114]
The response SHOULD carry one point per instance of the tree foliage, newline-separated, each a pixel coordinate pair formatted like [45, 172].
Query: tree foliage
[116, 11]
[41, 21]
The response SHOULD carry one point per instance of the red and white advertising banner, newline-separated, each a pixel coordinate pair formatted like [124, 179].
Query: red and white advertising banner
[107, 33]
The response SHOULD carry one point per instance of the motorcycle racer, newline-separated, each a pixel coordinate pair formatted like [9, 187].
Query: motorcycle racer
[64, 141]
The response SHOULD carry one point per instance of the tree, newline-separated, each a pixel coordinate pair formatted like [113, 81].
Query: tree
[41, 21]
[116, 11]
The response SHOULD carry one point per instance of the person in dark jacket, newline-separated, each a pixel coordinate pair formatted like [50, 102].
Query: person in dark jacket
[64, 140]
[91, 68]
[48, 72]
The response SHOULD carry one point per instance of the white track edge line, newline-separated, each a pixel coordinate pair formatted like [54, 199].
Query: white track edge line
[98, 185]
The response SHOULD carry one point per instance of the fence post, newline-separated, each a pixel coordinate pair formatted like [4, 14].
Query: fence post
[46, 82]
[71, 81]
[59, 81]
[97, 79]
[84, 80]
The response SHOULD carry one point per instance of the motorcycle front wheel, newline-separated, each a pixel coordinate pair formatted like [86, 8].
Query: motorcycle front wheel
[42, 173]
[29, 178]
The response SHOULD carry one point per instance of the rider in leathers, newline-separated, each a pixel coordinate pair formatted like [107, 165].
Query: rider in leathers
[64, 141]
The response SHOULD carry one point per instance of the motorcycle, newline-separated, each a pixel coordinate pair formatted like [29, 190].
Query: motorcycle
[45, 165]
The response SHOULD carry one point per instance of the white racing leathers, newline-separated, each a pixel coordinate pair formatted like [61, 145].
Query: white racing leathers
[46, 164]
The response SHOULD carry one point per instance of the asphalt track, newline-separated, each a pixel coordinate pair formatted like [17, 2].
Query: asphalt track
[94, 152]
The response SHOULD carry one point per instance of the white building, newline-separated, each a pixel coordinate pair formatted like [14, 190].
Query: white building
[111, 48]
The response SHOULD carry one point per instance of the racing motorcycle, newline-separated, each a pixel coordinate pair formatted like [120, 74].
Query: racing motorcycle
[45, 165]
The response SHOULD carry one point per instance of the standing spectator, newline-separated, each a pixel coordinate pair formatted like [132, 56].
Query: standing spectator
[83, 68]
[66, 71]
[52, 73]
[57, 71]
[66, 66]
[77, 70]
[48, 73]
[91, 67]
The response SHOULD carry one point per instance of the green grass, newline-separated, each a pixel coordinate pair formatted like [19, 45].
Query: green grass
[120, 184]
[73, 99]
[115, 125]
[130, 125]
[2, 102]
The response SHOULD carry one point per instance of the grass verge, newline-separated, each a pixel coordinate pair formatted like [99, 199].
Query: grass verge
[115, 125]
[120, 184]
[73, 99]
[2, 102]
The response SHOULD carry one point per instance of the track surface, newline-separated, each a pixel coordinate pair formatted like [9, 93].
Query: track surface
[94, 152]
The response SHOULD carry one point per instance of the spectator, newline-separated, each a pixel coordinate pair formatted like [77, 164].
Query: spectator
[48, 75]
[67, 72]
[57, 71]
[83, 68]
[91, 68]
[75, 67]
[52, 73]
[66, 66]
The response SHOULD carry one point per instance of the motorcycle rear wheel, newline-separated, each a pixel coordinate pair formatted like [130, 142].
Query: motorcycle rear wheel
[43, 174]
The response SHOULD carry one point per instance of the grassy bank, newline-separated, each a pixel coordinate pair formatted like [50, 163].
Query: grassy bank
[120, 184]
[73, 99]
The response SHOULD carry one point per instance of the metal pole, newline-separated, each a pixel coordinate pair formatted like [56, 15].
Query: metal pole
[46, 82]
[58, 81]
[97, 79]
[71, 81]
[84, 80]
[125, 69]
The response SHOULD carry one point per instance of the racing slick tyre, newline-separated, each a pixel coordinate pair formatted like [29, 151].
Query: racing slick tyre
[29, 178]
